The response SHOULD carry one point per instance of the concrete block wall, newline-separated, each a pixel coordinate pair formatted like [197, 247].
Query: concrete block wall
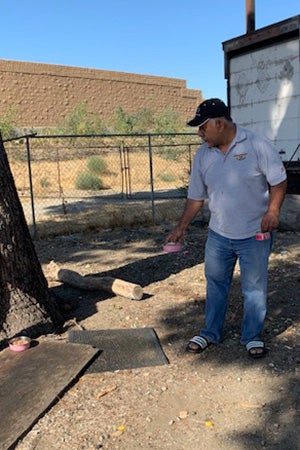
[44, 94]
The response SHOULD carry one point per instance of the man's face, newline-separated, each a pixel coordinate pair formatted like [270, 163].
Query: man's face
[209, 132]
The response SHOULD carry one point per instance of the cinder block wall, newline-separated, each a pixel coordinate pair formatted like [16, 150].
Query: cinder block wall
[44, 94]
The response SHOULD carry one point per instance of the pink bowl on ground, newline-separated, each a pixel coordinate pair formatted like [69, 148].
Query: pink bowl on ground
[172, 247]
[19, 344]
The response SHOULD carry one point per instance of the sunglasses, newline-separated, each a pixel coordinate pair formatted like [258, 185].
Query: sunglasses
[203, 127]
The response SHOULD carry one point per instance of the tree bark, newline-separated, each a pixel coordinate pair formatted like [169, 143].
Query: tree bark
[25, 303]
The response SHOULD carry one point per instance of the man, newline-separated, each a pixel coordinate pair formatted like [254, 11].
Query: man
[242, 176]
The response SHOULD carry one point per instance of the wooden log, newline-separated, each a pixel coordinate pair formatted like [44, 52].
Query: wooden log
[110, 284]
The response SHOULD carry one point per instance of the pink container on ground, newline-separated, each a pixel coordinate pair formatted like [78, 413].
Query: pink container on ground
[172, 247]
[19, 344]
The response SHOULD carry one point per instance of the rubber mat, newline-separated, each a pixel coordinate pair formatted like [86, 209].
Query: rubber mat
[122, 348]
[31, 381]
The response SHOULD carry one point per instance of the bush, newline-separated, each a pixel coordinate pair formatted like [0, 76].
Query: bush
[169, 153]
[167, 177]
[168, 121]
[96, 165]
[88, 182]
[123, 122]
[8, 124]
[146, 121]
[45, 183]
[81, 122]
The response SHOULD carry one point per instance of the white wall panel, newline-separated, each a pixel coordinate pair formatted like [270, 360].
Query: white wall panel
[265, 93]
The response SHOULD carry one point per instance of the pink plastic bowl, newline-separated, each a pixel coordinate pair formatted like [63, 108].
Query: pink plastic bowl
[19, 344]
[172, 247]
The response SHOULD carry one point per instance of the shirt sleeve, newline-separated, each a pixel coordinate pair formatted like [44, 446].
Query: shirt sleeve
[270, 162]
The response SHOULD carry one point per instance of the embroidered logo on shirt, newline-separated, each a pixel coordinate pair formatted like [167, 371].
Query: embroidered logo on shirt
[241, 156]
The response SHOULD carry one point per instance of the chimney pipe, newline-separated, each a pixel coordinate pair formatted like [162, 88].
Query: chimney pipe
[250, 16]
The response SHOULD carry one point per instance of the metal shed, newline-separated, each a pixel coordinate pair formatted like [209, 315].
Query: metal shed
[262, 69]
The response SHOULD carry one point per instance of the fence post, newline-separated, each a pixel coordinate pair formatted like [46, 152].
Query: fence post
[151, 176]
[31, 187]
[190, 157]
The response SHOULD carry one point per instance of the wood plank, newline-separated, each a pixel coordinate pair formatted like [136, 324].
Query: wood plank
[31, 381]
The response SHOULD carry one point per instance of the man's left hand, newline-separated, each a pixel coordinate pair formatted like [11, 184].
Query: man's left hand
[269, 222]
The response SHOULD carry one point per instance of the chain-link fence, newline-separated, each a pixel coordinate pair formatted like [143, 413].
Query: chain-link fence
[71, 183]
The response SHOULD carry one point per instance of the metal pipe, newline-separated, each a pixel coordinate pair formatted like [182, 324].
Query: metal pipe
[250, 16]
[31, 186]
[151, 176]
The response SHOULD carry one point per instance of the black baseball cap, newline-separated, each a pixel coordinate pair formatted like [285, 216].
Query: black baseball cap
[213, 107]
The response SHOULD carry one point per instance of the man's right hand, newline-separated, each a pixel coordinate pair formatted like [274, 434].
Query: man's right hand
[177, 235]
[190, 210]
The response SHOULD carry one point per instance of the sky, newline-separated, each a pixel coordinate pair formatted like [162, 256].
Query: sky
[176, 39]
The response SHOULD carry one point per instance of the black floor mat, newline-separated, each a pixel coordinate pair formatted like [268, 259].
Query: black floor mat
[122, 348]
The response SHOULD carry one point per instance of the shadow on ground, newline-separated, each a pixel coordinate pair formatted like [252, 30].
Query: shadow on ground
[143, 271]
[279, 420]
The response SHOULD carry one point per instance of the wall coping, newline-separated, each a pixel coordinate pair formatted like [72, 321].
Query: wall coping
[99, 74]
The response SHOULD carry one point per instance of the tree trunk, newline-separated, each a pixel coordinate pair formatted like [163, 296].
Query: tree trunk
[25, 303]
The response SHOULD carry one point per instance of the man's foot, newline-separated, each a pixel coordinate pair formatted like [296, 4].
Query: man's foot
[256, 349]
[197, 344]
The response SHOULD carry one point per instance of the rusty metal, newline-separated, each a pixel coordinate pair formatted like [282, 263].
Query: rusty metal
[250, 16]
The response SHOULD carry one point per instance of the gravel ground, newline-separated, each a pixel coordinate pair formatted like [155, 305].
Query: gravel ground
[220, 399]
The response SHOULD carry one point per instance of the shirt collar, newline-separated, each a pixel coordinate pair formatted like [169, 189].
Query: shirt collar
[240, 135]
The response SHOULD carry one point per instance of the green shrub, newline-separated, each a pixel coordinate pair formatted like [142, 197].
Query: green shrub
[96, 165]
[169, 153]
[123, 122]
[8, 124]
[45, 183]
[88, 182]
[146, 121]
[81, 122]
[167, 177]
[168, 121]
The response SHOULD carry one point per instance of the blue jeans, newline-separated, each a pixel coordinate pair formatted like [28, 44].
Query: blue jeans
[221, 255]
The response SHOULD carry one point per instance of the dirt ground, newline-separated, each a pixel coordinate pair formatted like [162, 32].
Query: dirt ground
[220, 399]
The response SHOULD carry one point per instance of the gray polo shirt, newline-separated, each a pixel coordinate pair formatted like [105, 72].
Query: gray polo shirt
[236, 184]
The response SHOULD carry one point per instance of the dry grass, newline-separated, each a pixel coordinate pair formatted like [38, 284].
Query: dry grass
[49, 177]
[109, 217]
[60, 208]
